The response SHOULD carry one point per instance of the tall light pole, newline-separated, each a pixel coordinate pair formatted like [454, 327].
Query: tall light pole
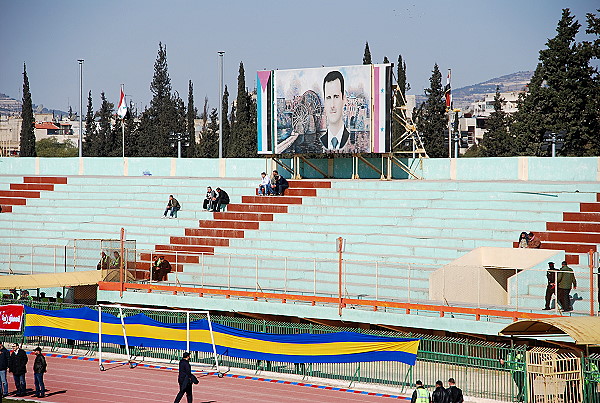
[221, 53]
[80, 107]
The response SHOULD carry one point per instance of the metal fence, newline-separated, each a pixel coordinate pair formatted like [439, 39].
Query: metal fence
[475, 365]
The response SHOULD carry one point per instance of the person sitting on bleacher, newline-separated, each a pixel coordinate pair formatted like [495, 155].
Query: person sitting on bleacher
[208, 201]
[104, 262]
[221, 200]
[281, 184]
[116, 262]
[172, 205]
[264, 187]
[160, 269]
[533, 243]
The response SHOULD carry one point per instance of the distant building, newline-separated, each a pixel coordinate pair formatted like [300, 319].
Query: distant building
[472, 123]
[10, 132]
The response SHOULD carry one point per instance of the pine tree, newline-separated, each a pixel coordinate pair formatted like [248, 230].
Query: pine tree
[131, 125]
[497, 142]
[561, 95]
[27, 139]
[385, 60]
[367, 56]
[164, 119]
[431, 119]
[190, 150]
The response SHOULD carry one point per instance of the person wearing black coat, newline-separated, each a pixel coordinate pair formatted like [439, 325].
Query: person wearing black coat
[185, 379]
[281, 184]
[440, 394]
[454, 392]
[17, 364]
[222, 199]
[4, 358]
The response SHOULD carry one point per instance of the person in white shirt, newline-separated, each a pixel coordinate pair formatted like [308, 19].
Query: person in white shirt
[264, 187]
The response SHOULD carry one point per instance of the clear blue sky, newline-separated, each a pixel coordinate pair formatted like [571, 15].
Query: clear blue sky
[119, 41]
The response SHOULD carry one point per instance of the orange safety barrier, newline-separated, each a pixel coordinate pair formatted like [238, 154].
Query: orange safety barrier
[408, 307]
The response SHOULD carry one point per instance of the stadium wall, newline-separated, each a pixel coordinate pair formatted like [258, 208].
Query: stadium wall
[579, 169]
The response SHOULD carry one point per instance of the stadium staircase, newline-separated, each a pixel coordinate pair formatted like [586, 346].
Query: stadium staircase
[31, 187]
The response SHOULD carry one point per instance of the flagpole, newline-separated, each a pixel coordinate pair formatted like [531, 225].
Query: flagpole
[123, 123]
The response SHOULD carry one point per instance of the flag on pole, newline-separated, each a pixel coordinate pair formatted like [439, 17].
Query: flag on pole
[448, 92]
[122, 109]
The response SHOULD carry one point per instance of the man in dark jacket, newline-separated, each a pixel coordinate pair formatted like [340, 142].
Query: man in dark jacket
[39, 368]
[564, 281]
[4, 358]
[440, 395]
[172, 205]
[454, 393]
[185, 379]
[281, 184]
[550, 288]
[17, 364]
[222, 199]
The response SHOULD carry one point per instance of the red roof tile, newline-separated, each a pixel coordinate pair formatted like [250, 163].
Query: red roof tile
[46, 125]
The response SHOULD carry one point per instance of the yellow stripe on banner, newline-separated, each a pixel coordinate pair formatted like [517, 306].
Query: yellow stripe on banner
[225, 340]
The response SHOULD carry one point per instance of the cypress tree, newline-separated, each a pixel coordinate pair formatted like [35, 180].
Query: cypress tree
[91, 143]
[227, 143]
[497, 142]
[367, 55]
[208, 146]
[27, 139]
[242, 107]
[190, 150]
[385, 60]
[106, 138]
[402, 83]
[561, 96]
[431, 119]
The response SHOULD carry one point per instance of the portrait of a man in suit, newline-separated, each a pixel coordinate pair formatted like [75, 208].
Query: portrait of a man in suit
[336, 136]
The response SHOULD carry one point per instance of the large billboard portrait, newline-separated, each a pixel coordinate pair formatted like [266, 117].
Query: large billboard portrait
[326, 109]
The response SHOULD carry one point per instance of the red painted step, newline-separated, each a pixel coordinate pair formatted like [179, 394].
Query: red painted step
[12, 201]
[307, 192]
[186, 240]
[209, 250]
[598, 197]
[272, 199]
[215, 232]
[45, 179]
[243, 216]
[257, 208]
[572, 259]
[229, 224]
[172, 258]
[7, 209]
[589, 207]
[20, 193]
[32, 186]
[593, 217]
[569, 248]
[581, 237]
[573, 226]
[308, 184]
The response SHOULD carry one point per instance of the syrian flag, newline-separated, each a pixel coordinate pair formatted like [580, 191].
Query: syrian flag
[448, 91]
[122, 109]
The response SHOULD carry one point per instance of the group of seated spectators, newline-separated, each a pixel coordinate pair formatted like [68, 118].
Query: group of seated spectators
[160, 268]
[106, 262]
[529, 240]
[275, 185]
[215, 200]
[26, 297]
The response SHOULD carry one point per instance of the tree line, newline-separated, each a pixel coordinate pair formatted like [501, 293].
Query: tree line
[563, 95]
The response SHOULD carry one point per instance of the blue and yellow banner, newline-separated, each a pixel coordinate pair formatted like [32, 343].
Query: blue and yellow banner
[82, 324]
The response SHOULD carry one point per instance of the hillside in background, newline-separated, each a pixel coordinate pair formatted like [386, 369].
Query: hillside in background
[11, 106]
[463, 97]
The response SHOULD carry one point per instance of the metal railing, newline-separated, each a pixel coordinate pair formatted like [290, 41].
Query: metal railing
[475, 365]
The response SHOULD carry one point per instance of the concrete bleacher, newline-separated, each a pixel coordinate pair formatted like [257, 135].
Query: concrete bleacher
[397, 232]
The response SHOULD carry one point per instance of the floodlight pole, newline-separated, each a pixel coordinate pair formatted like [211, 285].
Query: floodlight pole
[221, 53]
[80, 107]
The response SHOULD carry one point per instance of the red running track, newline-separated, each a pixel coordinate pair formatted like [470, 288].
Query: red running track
[75, 380]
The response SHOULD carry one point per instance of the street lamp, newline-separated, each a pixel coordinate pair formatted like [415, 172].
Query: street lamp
[80, 107]
[557, 140]
[221, 53]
